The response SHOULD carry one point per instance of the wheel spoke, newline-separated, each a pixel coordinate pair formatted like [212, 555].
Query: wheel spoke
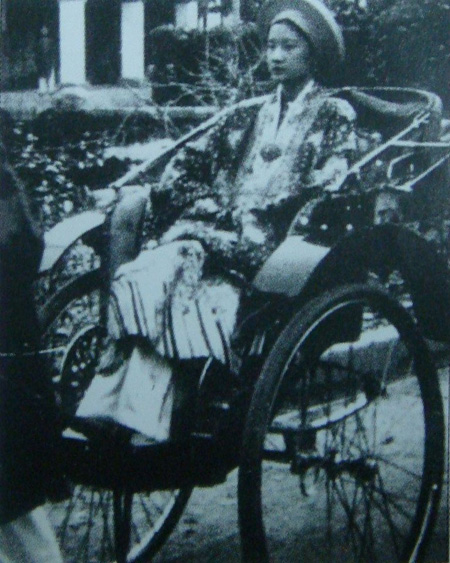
[353, 528]
[387, 497]
[72, 320]
[90, 521]
[368, 525]
[105, 501]
[366, 397]
[394, 530]
[400, 468]
[146, 511]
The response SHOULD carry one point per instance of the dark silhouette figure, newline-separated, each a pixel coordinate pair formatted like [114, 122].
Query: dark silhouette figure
[29, 428]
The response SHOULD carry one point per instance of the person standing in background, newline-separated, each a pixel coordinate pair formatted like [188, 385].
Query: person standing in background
[45, 59]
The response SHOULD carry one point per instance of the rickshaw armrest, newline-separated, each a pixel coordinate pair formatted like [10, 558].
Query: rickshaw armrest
[389, 110]
[379, 106]
[289, 267]
[126, 227]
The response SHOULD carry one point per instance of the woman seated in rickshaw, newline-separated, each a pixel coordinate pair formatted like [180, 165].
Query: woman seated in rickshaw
[229, 199]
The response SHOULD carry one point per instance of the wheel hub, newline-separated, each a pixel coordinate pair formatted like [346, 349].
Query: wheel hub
[78, 367]
[363, 469]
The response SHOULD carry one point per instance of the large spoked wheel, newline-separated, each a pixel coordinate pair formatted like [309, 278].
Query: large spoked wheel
[97, 524]
[72, 328]
[343, 449]
[102, 525]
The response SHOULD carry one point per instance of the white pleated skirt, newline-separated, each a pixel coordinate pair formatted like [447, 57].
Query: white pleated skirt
[162, 296]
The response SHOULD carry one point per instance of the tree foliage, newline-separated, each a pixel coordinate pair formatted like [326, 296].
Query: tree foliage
[390, 43]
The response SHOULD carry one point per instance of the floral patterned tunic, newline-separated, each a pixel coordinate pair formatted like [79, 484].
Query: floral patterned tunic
[235, 190]
[238, 188]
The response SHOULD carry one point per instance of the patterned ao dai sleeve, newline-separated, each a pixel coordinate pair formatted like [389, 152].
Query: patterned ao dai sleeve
[330, 147]
[186, 180]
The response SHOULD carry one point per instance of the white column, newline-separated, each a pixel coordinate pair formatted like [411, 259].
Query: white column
[236, 12]
[72, 41]
[214, 20]
[132, 40]
[186, 15]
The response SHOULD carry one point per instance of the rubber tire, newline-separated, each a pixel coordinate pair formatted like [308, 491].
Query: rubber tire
[73, 289]
[253, 537]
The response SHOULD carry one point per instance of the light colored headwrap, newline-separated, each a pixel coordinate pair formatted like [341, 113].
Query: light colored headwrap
[315, 21]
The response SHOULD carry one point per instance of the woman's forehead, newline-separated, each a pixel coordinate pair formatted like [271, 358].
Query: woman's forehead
[284, 29]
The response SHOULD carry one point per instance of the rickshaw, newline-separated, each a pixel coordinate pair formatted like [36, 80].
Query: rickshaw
[334, 419]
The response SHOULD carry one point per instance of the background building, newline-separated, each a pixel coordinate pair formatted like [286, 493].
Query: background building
[98, 41]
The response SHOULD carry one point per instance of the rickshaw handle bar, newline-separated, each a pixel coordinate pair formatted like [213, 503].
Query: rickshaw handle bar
[153, 161]
[417, 121]
[406, 187]
[419, 144]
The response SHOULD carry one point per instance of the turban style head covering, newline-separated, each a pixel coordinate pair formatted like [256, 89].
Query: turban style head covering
[314, 20]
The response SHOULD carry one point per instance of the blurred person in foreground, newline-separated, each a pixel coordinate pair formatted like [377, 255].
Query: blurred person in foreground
[29, 427]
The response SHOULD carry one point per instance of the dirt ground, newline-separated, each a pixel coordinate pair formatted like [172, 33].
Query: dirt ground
[208, 530]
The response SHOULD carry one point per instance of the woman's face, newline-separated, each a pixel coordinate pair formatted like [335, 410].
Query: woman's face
[288, 54]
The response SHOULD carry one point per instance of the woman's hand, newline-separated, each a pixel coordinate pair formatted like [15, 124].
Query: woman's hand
[332, 175]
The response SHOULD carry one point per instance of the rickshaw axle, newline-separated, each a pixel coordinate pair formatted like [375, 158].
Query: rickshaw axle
[363, 469]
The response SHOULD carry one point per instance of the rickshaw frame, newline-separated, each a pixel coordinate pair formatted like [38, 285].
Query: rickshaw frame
[296, 283]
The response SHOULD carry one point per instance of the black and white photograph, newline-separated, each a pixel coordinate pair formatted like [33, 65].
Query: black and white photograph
[224, 281]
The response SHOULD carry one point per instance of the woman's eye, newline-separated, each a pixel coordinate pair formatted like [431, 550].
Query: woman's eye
[283, 46]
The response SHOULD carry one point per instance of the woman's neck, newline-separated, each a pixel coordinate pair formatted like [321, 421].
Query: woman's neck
[292, 89]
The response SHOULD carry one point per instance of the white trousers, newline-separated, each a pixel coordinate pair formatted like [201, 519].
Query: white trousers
[29, 539]
[47, 84]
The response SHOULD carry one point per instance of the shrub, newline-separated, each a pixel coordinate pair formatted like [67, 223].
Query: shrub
[397, 43]
[197, 68]
[60, 155]
[394, 43]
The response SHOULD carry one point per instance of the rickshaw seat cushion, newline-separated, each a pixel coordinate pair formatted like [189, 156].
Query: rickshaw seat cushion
[288, 268]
